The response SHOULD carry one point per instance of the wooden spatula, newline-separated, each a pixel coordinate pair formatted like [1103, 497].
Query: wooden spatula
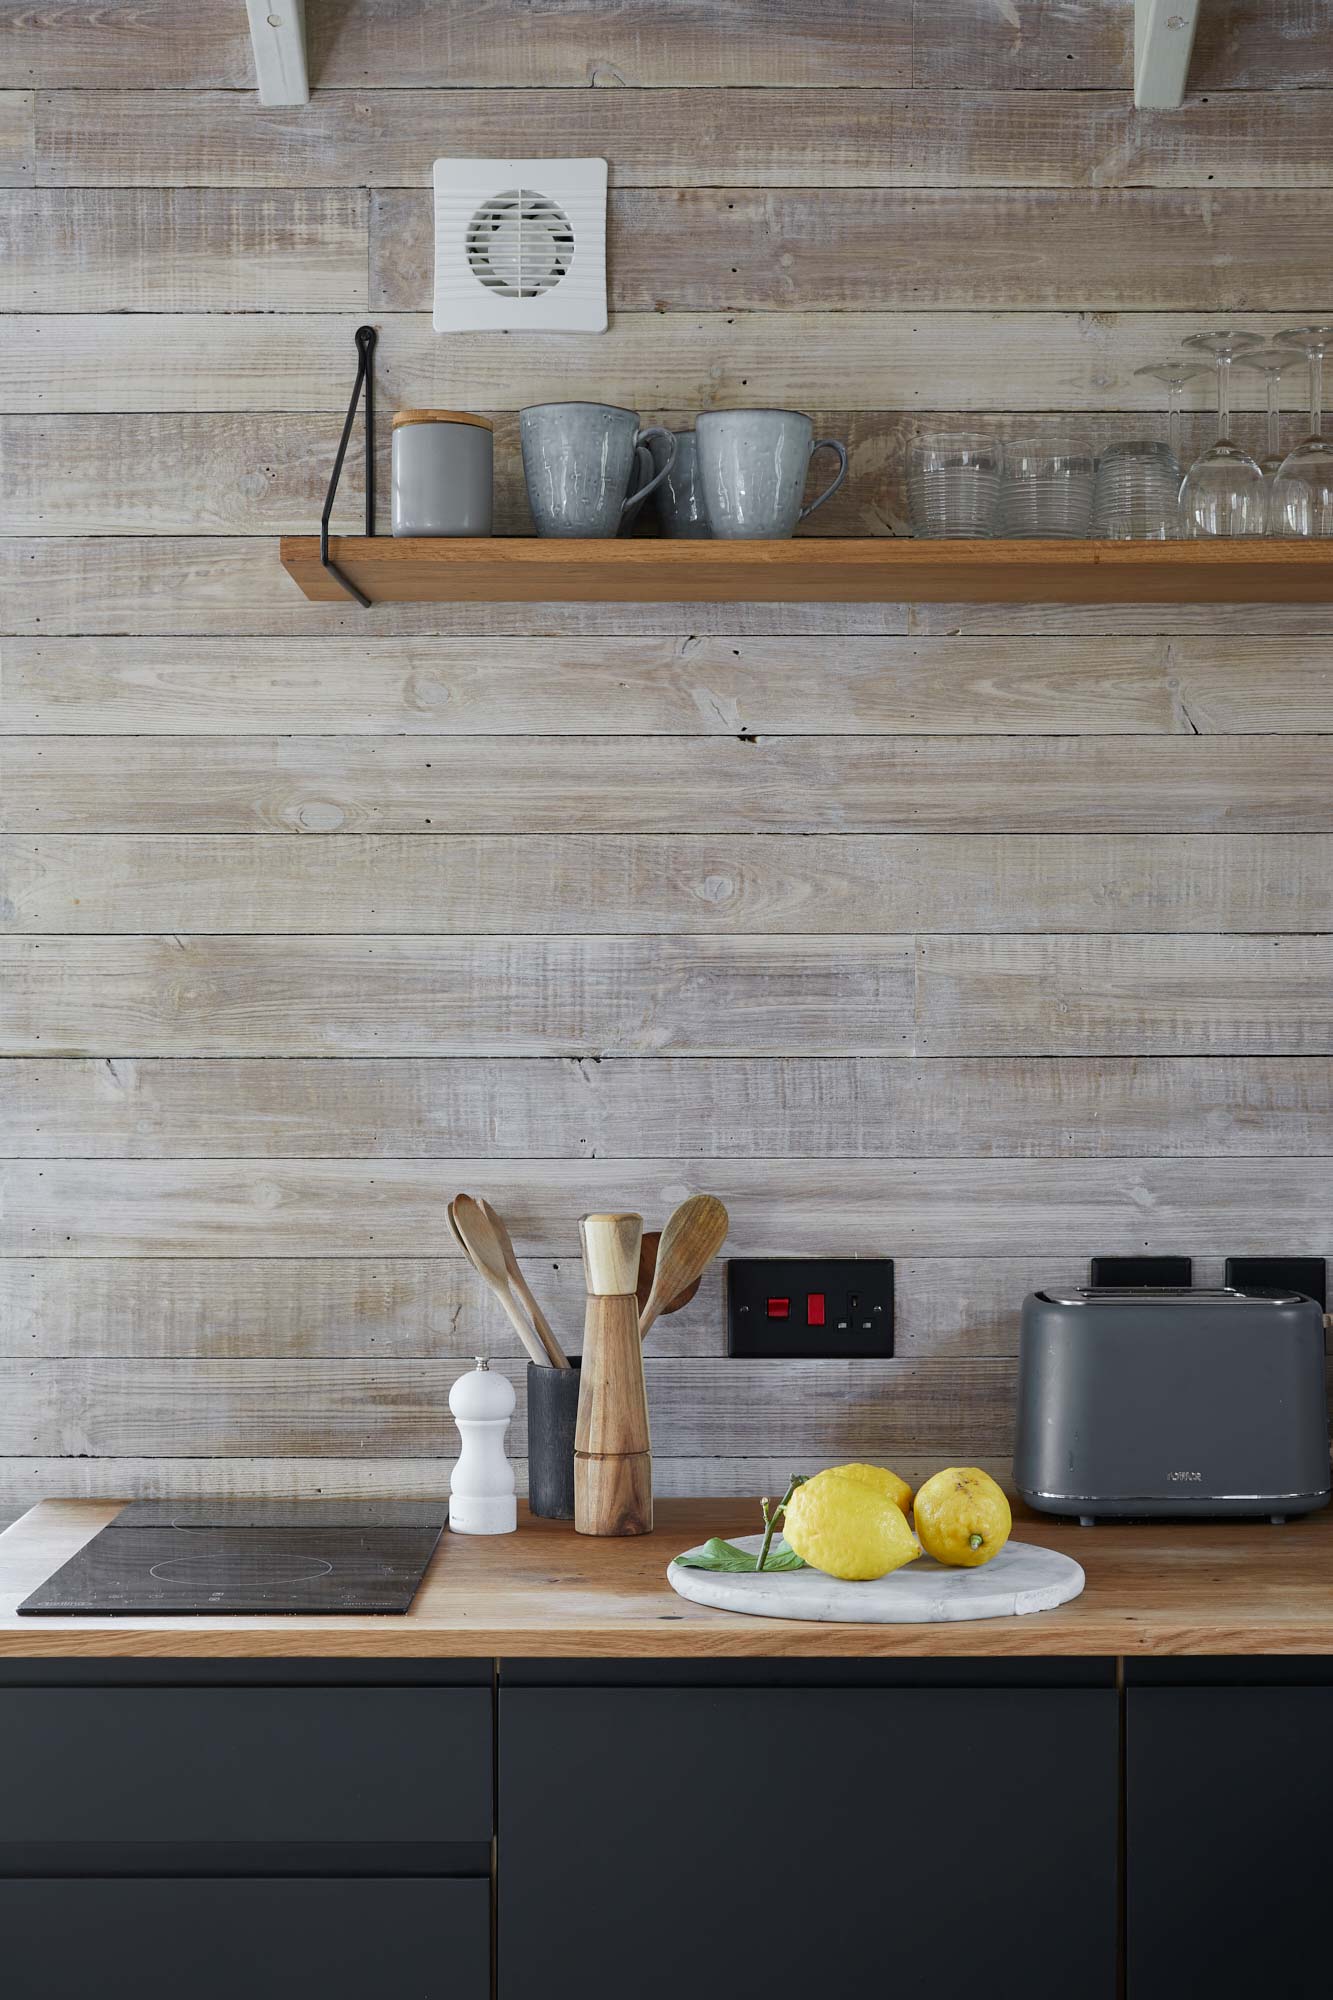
[545, 1333]
[647, 1268]
[691, 1239]
[485, 1252]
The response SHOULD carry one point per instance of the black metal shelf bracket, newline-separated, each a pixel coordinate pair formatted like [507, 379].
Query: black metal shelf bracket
[366, 337]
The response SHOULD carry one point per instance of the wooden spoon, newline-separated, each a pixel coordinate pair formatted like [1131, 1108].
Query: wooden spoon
[692, 1238]
[648, 1265]
[482, 1249]
[556, 1353]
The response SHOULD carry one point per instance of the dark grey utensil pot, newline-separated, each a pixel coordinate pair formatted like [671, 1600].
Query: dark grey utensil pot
[553, 1402]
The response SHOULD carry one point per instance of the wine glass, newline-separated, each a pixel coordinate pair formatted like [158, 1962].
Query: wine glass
[1271, 363]
[1174, 374]
[1302, 494]
[1224, 492]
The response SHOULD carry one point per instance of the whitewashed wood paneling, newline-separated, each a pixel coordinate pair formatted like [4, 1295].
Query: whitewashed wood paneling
[739, 785]
[986, 937]
[1089, 44]
[182, 250]
[642, 884]
[704, 1408]
[877, 995]
[812, 1108]
[682, 138]
[237, 1308]
[924, 248]
[924, 1208]
[1080, 364]
[679, 686]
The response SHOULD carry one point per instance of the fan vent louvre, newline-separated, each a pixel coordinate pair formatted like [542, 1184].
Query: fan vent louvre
[520, 244]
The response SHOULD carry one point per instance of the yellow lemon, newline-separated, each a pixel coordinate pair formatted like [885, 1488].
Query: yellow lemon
[847, 1529]
[881, 1480]
[962, 1517]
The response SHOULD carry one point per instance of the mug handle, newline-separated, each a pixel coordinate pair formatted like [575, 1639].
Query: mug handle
[661, 431]
[831, 444]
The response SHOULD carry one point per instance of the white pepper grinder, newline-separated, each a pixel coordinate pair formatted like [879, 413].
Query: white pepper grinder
[481, 1492]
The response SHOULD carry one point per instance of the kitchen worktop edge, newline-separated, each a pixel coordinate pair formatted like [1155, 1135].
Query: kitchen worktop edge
[1168, 1590]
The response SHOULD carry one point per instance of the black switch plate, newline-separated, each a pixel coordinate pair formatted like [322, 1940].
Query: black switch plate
[1280, 1274]
[858, 1308]
[1142, 1271]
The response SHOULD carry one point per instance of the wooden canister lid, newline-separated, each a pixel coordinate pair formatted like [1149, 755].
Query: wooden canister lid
[441, 417]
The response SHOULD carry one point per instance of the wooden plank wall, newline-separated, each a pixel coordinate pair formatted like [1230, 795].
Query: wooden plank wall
[988, 938]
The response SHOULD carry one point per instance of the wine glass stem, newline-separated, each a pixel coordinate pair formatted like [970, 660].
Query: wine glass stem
[1274, 445]
[1224, 398]
[1173, 429]
[1316, 390]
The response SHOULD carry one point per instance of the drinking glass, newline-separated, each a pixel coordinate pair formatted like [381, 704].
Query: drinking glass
[1135, 495]
[953, 480]
[1175, 374]
[1302, 494]
[1045, 490]
[1224, 493]
[1271, 363]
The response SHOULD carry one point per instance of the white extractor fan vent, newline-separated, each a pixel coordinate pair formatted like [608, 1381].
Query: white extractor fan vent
[520, 245]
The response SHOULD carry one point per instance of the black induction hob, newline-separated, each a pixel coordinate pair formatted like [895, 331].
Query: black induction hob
[164, 1558]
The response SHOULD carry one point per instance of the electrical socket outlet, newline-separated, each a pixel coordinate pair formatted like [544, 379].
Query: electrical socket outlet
[810, 1308]
[1280, 1274]
[1141, 1271]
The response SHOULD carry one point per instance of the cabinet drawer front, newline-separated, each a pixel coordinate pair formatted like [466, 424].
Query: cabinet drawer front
[213, 1940]
[245, 1764]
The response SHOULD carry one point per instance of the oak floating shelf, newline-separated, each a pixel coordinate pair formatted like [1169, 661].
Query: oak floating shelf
[421, 570]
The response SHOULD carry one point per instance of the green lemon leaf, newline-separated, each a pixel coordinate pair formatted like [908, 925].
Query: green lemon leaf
[782, 1557]
[719, 1555]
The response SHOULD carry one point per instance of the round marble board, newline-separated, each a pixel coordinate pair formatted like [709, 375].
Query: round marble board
[1021, 1578]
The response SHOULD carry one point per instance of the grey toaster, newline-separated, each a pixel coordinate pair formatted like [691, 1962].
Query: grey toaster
[1154, 1403]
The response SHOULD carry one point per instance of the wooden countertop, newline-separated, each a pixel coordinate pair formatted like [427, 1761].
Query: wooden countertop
[549, 1593]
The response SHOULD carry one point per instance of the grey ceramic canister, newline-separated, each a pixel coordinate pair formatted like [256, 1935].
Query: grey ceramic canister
[579, 463]
[752, 471]
[442, 473]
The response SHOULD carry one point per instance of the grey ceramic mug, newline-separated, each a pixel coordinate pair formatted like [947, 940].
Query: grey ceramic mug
[752, 469]
[680, 504]
[641, 483]
[579, 462]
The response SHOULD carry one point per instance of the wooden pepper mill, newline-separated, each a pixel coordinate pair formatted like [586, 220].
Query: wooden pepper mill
[613, 1466]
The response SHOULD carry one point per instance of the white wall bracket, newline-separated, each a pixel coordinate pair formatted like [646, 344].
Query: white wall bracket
[277, 30]
[1163, 40]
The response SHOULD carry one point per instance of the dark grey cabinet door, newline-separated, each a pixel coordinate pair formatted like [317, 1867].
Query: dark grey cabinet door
[715, 1842]
[1227, 1802]
[236, 1940]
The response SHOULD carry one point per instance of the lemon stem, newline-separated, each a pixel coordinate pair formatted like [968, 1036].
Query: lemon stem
[975, 1541]
[771, 1521]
